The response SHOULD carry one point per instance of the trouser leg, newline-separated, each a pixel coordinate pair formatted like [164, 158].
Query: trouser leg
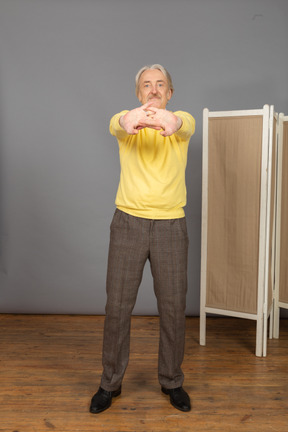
[168, 258]
[128, 252]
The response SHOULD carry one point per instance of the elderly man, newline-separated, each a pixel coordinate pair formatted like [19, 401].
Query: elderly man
[149, 223]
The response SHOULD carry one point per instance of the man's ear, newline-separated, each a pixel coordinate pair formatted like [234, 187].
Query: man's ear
[170, 94]
[138, 97]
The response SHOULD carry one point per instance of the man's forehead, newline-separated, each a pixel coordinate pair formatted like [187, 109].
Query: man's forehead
[153, 74]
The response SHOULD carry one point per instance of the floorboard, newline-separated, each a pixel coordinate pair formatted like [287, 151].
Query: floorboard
[50, 366]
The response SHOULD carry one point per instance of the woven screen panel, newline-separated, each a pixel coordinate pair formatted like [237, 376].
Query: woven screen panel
[234, 180]
[283, 288]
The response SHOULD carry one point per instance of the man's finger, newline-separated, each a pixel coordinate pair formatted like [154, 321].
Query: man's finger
[148, 104]
[154, 109]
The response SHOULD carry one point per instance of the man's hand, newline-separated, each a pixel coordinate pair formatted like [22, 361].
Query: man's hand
[161, 119]
[136, 119]
[149, 116]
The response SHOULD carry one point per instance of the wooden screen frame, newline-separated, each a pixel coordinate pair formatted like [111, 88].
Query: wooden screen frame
[265, 258]
[282, 157]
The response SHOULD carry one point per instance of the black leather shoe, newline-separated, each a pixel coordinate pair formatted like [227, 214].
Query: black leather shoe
[102, 400]
[178, 398]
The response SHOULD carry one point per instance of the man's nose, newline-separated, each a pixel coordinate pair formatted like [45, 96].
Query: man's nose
[154, 88]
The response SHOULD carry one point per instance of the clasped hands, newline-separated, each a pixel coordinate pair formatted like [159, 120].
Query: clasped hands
[151, 117]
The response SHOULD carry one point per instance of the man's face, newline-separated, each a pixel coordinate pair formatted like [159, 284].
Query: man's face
[153, 87]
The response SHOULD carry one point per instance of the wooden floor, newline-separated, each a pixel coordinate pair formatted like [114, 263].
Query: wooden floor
[50, 367]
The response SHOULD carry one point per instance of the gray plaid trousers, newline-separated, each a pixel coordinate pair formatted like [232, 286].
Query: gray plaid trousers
[133, 240]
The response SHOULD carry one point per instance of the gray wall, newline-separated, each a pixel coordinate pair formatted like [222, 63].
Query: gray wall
[66, 66]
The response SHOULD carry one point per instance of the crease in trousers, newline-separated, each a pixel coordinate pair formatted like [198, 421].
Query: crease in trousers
[164, 243]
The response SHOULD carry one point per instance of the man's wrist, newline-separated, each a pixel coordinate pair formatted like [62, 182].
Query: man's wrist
[121, 122]
[179, 123]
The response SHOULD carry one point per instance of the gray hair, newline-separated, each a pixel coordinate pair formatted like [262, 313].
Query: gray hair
[154, 66]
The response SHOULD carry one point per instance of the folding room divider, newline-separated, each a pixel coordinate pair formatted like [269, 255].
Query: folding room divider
[238, 218]
[281, 266]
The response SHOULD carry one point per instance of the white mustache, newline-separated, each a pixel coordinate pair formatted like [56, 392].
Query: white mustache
[157, 96]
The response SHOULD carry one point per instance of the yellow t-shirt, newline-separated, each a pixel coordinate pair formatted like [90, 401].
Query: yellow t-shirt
[152, 180]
